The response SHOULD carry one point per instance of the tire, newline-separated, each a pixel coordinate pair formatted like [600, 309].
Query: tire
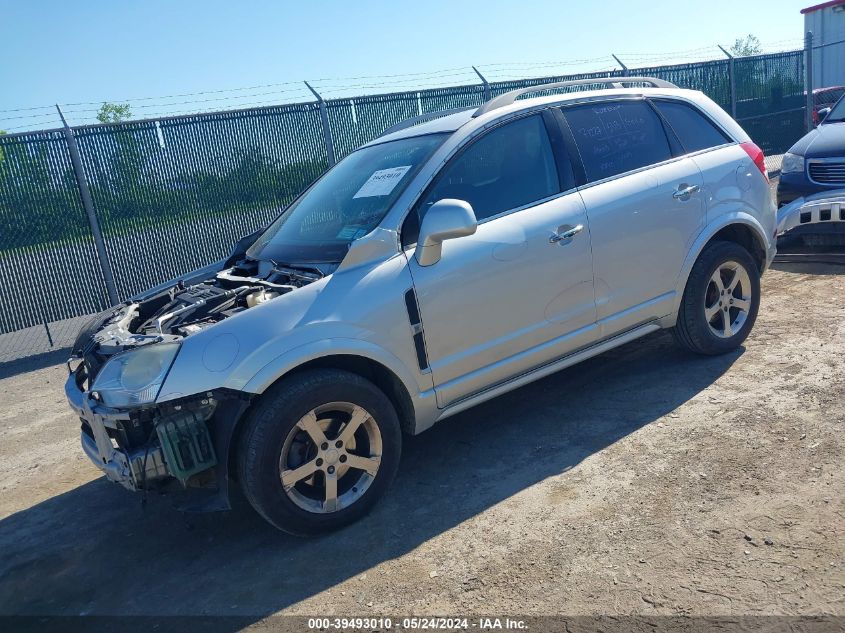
[279, 437]
[703, 297]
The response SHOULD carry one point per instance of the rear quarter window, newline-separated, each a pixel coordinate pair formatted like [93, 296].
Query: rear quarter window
[695, 131]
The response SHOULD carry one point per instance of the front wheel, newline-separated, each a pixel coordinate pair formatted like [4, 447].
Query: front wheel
[318, 450]
[721, 300]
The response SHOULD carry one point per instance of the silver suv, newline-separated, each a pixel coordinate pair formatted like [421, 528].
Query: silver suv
[458, 256]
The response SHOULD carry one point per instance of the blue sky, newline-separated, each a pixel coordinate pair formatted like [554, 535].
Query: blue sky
[258, 52]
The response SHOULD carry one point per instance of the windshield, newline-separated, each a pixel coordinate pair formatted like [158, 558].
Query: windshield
[345, 204]
[837, 113]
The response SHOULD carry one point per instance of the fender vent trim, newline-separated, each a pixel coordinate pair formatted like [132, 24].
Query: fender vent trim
[416, 328]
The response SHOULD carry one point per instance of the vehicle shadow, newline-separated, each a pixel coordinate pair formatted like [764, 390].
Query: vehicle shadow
[31, 363]
[829, 267]
[795, 257]
[94, 550]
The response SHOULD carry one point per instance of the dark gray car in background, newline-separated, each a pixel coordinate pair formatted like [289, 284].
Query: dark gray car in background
[816, 163]
[811, 204]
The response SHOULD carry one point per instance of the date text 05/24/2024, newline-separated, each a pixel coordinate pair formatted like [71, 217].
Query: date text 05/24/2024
[415, 623]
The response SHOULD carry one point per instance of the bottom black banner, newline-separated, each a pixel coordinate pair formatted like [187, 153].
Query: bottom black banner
[540, 624]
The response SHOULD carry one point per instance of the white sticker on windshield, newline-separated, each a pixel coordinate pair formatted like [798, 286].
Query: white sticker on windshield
[382, 182]
[351, 233]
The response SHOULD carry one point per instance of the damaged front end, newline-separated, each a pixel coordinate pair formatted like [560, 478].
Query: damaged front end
[151, 447]
[121, 359]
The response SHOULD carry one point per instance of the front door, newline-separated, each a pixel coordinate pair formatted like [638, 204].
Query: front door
[512, 296]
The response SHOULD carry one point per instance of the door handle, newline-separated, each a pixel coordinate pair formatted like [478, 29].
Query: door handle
[683, 193]
[554, 238]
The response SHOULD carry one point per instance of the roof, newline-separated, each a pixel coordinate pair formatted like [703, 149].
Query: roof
[449, 121]
[823, 5]
[465, 120]
[453, 122]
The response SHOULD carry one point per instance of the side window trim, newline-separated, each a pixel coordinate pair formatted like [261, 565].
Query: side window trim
[571, 148]
[675, 146]
[563, 160]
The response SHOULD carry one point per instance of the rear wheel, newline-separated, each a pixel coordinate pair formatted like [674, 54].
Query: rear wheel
[318, 450]
[721, 300]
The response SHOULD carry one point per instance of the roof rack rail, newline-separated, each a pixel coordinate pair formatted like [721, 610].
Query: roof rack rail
[422, 118]
[608, 82]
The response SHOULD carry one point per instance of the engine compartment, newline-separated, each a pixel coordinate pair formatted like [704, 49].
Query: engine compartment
[184, 310]
[181, 309]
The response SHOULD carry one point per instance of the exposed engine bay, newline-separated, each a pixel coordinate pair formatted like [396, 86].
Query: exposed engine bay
[181, 310]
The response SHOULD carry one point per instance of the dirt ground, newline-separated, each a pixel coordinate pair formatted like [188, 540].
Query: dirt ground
[645, 481]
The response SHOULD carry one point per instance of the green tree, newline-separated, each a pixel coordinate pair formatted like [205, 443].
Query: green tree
[746, 46]
[114, 112]
[2, 132]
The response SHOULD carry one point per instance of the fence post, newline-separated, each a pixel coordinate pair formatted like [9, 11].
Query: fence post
[486, 85]
[732, 78]
[88, 204]
[327, 131]
[808, 69]
[624, 67]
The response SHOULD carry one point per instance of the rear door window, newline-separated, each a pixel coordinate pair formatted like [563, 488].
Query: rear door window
[695, 131]
[616, 137]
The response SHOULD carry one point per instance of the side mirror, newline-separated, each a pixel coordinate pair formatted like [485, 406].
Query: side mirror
[823, 114]
[445, 220]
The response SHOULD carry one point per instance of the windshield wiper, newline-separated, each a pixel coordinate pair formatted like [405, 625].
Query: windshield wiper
[303, 273]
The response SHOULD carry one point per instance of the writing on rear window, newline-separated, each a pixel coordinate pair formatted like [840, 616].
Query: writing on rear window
[618, 137]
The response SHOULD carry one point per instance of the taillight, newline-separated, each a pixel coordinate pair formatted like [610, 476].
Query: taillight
[756, 154]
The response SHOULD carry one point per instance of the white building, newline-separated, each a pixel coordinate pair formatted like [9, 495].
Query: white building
[826, 21]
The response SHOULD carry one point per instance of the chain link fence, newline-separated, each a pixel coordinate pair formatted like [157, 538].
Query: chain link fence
[173, 194]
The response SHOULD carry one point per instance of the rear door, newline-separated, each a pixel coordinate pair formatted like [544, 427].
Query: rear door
[644, 204]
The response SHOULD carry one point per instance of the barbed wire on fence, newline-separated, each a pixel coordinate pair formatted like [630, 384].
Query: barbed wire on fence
[340, 87]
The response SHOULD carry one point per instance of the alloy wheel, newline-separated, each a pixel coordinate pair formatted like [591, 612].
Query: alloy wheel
[330, 457]
[727, 300]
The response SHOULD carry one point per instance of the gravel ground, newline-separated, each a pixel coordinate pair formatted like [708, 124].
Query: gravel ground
[644, 481]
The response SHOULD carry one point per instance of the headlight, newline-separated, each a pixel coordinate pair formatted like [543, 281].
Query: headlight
[792, 163]
[134, 378]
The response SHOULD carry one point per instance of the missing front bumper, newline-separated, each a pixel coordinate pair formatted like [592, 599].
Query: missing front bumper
[178, 444]
[132, 469]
